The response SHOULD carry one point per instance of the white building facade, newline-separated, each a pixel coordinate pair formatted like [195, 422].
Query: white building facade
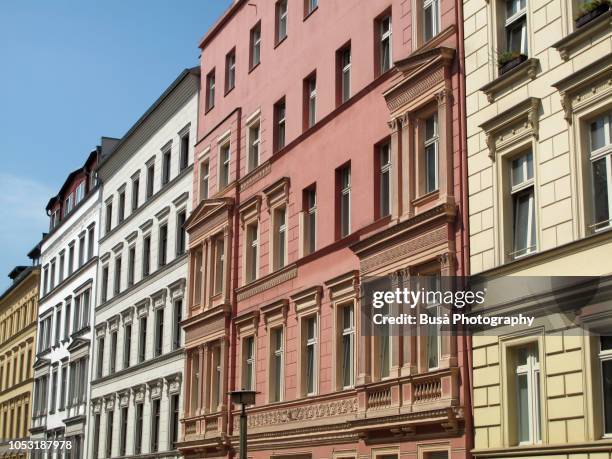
[138, 360]
[69, 265]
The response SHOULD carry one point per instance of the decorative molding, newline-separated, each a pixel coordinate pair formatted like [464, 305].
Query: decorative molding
[254, 176]
[512, 125]
[162, 213]
[277, 193]
[142, 307]
[525, 70]
[146, 225]
[343, 286]
[173, 383]
[180, 199]
[158, 298]
[267, 282]
[117, 247]
[579, 37]
[249, 210]
[278, 309]
[588, 84]
[131, 237]
[177, 289]
[307, 300]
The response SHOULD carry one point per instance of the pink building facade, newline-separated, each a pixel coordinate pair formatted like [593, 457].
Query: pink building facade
[329, 148]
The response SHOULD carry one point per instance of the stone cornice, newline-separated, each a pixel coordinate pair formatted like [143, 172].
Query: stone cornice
[523, 71]
[574, 40]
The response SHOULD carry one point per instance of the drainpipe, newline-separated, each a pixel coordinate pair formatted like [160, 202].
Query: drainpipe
[465, 252]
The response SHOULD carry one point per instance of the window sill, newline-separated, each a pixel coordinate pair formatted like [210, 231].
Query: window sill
[254, 66]
[426, 198]
[280, 42]
[208, 109]
[574, 40]
[310, 13]
[227, 91]
[525, 70]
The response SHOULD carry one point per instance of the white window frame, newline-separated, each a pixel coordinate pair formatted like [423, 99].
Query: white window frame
[280, 231]
[311, 229]
[277, 352]
[254, 145]
[435, 16]
[252, 251]
[204, 179]
[515, 191]
[510, 23]
[428, 142]
[282, 13]
[349, 332]
[605, 153]
[605, 356]
[224, 164]
[385, 169]
[255, 46]
[248, 362]
[345, 191]
[231, 71]
[532, 371]
[311, 342]
[210, 89]
[312, 101]
[345, 77]
[385, 36]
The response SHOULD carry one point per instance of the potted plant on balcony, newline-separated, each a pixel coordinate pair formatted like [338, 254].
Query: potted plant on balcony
[591, 9]
[508, 60]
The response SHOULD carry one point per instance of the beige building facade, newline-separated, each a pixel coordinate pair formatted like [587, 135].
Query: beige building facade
[539, 134]
[18, 313]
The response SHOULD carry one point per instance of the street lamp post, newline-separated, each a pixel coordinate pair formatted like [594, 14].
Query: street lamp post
[243, 398]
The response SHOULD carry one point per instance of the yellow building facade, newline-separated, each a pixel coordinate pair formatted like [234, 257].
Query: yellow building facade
[18, 318]
[539, 134]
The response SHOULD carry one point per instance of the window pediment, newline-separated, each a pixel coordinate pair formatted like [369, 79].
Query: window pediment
[275, 312]
[574, 41]
[585, 86]
[177, 288]
[247, 322]
[142, 307]
[308, 300]
[209, 213]
[343, 286]
[249, 210]
[525, 70]
[512, 125]
[158, 299]
[277, 193]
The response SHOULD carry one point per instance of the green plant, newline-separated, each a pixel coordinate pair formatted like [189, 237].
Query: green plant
[591, 5]
[507, 56]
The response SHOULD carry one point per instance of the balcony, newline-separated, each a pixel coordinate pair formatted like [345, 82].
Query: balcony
[399, 407]
[206, 428]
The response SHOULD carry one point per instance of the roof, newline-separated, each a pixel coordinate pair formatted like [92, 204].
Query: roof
[224, 19]
[151, 109]
[17, 280]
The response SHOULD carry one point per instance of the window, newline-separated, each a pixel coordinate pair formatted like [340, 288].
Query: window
[197, 274]
[184, 159]
[195, 383]
[310, 101]
[343, 85]
[219, 249]
[181, 234]
[224, 165]
[117, 283]
[527, 393]
[68, 204]
[104, 287]
[347, 345]
[204, 179]
[131, 265]
[80, 192]
[123, 437]
[90, 242]
[254, 142]
[210, 90]
[150, 179]
[523, 205]
[135, 190]
[230, 71]
[146, 255]
[174, 422]
[63, 387]
[138, 430]
[310, 220]
[280, 238]
[53, 390]
[67, 320]
[431, 19]
[121, 207]
[113, 353]
[127, 345]
[516, 26]
[252, 252]
[309, 372]
[58, 321]
[310, 6]
[109, 432]
[343, 177]
[216, 387]
[109, 217]
[281, 20]
[430, 151]
[71, 258]
[605, 357]
[600, 155]
[163, 245]
[159, 332]
[142, 339]
[166, 166]
[255, 46]
[248, 363]
[384, 180]
[276, 364]
[279, 125]
[177, 330]
[82, 250]
[61, 266]
[96, 432]
[52, 275]
[45, 282]
[155, 418]
[100, 359]
[432, 282]
[385, 54]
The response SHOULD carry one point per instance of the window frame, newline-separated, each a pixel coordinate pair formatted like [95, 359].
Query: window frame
[255, 46]
[281, 21]
[516, 191]
[210, 90]
[595, 155]
[230, 70]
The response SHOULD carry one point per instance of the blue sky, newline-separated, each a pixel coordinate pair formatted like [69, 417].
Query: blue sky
[72, 71]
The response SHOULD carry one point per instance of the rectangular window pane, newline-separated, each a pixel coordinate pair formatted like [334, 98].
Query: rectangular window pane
[523, 408]
[606, 370]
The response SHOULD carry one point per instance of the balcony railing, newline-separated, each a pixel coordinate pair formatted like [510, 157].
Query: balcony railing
[205, 426]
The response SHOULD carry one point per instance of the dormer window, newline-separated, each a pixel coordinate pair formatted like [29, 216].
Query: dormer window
[80, 192]
[68, 204]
